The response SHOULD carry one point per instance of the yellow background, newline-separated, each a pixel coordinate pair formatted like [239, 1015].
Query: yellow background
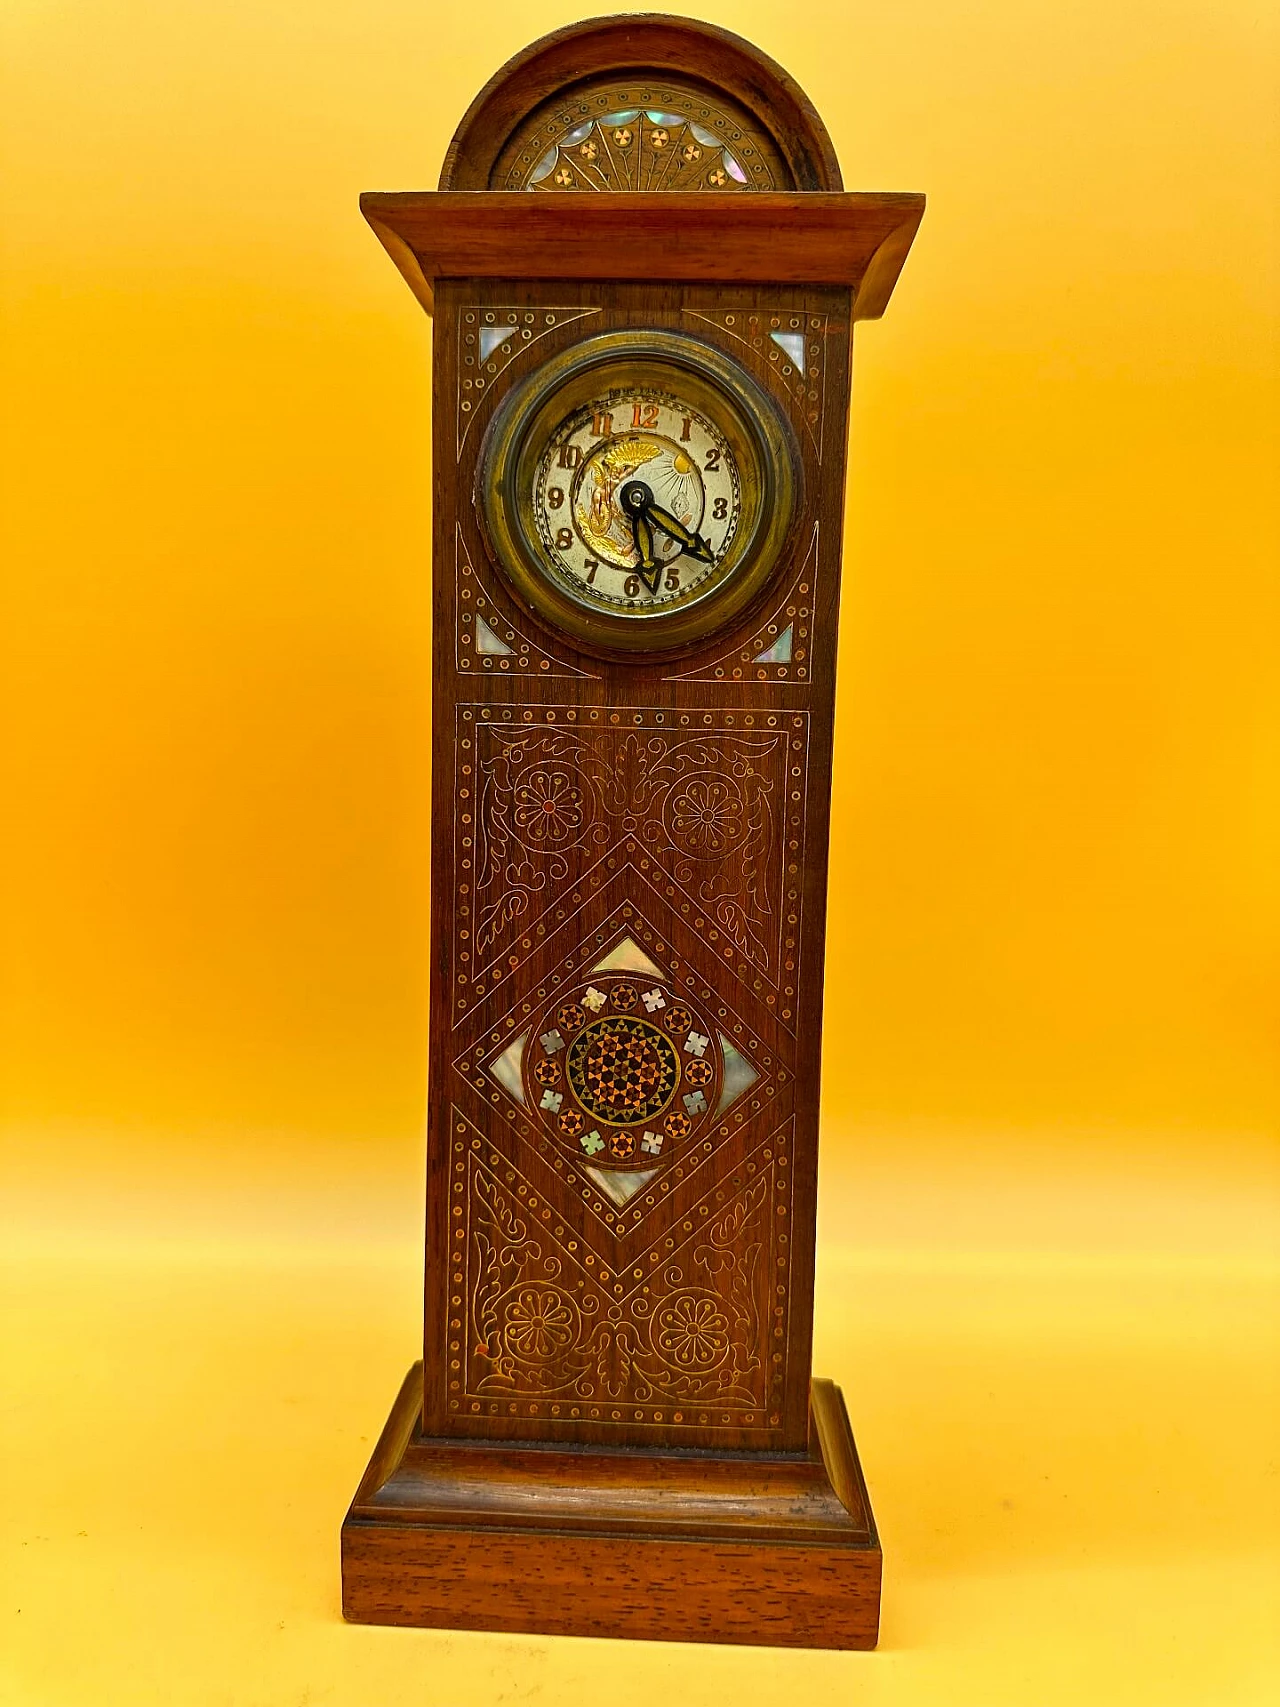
[1047, 1230]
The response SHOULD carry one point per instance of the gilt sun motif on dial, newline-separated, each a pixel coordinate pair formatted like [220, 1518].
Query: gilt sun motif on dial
[637, 497]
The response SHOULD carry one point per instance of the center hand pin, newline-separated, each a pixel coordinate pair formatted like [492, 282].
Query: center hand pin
[638, 501]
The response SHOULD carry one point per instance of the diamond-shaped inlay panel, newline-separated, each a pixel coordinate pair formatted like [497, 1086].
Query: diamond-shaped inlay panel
[660, 1132]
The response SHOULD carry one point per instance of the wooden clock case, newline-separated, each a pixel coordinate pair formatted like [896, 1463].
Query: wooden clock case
[614, 1430]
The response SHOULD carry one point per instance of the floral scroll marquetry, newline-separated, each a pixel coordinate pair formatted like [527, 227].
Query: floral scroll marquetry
[685, 1339]
[709, 811]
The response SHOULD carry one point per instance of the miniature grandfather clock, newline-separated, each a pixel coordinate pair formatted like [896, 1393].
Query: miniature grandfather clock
[644, 277]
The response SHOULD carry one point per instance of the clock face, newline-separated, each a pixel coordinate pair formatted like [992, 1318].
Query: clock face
[637, 497]
[638, 490]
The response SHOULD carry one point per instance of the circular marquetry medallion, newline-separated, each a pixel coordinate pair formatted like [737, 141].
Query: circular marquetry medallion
[622, 1070]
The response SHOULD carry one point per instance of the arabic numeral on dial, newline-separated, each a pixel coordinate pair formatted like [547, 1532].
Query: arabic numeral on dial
[686, 430]
[590, 567]
[713, 459]
[555, 497]
[673, 580]
[720, 509]
[631, 586]
[570, 456]
[601, 424]
[644, 414]
[564, 539]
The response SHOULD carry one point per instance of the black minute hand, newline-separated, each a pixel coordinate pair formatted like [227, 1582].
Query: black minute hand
[692, 544]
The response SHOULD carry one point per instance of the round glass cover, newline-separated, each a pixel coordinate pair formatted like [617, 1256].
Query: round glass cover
[638, 489]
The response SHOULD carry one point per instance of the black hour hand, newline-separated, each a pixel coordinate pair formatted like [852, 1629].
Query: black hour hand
[637, 501]
[642, 534]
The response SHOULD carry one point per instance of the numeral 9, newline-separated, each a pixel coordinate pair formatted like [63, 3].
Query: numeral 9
[555, 497]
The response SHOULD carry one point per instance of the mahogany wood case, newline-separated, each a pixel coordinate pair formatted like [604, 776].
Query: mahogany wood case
[614, 1429]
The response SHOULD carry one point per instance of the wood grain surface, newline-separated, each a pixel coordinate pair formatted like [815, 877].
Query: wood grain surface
[636, 754]
[555, 78]
[668, 1547]
[614, 1429]
[773, 238]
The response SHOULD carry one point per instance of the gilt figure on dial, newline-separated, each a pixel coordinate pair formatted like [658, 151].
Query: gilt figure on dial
[639, 489]
[637, 496]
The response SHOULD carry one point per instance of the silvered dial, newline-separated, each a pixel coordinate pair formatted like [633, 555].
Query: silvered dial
[636, 496]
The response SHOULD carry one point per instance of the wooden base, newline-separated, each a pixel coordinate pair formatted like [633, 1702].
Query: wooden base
[689, 1547]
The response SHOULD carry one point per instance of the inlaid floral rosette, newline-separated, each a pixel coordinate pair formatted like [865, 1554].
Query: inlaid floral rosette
[623, 1070]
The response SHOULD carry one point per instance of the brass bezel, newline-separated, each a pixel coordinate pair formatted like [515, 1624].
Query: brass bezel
[769, 475]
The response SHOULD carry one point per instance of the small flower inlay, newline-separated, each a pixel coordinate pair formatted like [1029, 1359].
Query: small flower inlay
[547, 807]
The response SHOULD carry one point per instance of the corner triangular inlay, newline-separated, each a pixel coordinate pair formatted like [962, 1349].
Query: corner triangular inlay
[739, 1075]
[507, 1069]
[487, 641]
[491, 337]
[620, 1187]
[628, 956]
[779, 652]
[791, 344]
